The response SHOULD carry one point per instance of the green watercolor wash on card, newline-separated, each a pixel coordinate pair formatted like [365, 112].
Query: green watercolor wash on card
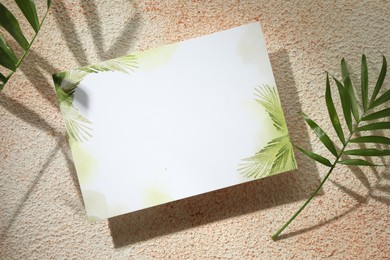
[85, 163]
[96, 205]
[156, 58]
[155, 196]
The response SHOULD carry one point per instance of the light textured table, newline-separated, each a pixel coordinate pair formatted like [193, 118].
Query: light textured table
[41, 210]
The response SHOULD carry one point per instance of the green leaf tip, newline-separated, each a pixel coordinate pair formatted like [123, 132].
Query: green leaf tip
[380, 80]
[30, 12]
[11, 25]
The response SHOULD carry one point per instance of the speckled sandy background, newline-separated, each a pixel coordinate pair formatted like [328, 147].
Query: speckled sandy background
[41, 211]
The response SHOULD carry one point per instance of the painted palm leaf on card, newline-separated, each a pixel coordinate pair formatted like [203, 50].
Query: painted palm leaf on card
[78, 127]
[277, 155]
[370, 112]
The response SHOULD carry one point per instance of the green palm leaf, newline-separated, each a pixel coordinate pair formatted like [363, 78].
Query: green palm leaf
[8, 58]
[350, 105]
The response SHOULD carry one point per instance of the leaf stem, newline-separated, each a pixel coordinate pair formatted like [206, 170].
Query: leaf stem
[276, 235]
[25, 52]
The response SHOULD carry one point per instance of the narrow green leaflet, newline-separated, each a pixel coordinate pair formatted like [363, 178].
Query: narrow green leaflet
[334, 118]
[2, 78]
[9, 22]
[345, 103]
[377, 115]
[321, 134]
[382, 99]
[371, 139]
[374, 126]
[30, 12]
[348, 86]
[356, 162]
[315, 157]
[7, 56]
[379, 82]
[368, 152]
[7, 50]
[364, 82]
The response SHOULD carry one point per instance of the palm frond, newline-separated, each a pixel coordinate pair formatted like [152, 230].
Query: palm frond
[77, 126]
[8, 58]
[349, 105]
[347, 100]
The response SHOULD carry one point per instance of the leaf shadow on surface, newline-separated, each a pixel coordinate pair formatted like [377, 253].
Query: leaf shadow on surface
[66, 24]
[32, 118]
[35, 66]
[232, 201]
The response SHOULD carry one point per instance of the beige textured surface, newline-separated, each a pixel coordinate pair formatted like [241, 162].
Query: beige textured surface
[41, 211]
